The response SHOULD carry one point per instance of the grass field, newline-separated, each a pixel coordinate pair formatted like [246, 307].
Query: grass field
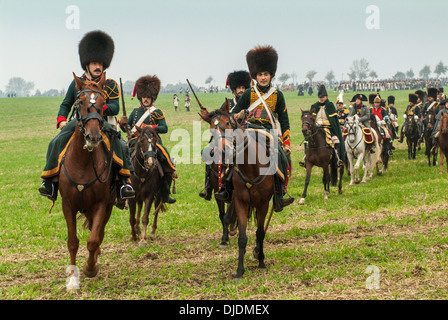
[395, 224]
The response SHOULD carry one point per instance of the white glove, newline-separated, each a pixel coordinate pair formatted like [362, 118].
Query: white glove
[416, 117]
[62, 124]
[404, 116]
[381, 122]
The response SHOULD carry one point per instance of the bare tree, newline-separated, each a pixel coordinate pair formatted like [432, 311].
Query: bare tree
[440, 69]
[330, 77]
[310, 75]
[410, 74]
[425, 72]
[19, 86]
[360, 68]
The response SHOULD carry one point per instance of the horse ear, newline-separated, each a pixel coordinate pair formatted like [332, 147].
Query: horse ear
[226, 106]
[203, 113]
[79, 83]
[138, 129]
[102, 82]
[301, 110]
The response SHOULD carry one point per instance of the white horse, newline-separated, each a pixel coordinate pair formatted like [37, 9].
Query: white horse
[355, 148]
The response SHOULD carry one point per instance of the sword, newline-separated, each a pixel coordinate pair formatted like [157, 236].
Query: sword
[128, 132]
[199, 103]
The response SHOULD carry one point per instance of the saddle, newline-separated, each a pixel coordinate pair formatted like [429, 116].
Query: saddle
[366, 133]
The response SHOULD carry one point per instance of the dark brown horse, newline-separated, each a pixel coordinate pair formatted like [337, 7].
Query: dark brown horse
[412, 135]
[319, 153]
[146, 180]
[253, 189]
[429, 121]
[443, 141]
[85, 181]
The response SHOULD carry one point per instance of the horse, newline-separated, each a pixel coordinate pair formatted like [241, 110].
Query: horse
[443, 141]
[356, 148]
[430, 119]
[85, 181]
[145, 180]
[412, 135]
[253, 185]
[319, 153]
[383, 148]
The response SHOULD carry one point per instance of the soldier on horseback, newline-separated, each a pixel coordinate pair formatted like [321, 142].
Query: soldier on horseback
[265, 108]
[327, 118]
[96, 50]
[435, 133]
[412, 109]
[343, 111]
[147, 89]
[238, 81]
[362, 112]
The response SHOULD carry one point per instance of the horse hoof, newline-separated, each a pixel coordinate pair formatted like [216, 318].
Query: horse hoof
[93, 273]
[255, 253]
[142, 244]
[302, 201]
[340, 191]
[223, 246]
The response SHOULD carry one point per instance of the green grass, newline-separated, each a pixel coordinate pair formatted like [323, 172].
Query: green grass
[321, 250]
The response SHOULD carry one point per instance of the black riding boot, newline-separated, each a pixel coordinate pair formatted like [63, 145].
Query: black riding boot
[207, 193]
[165, 188]
[49, 189]
[124, 191]
[279, 201]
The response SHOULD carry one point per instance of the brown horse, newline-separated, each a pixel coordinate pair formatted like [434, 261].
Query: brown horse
[85, 182]
[443, 141]
[146, 179]
[319, 153]
[253, 189]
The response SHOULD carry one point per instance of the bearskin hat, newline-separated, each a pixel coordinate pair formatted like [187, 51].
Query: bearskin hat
[372, 97]
[432, 92]
[148, 87]
[413, 98]
[377, 98]
[238, 78]
[260, 59]
[390, 99]
[421, 94]
[96, 46]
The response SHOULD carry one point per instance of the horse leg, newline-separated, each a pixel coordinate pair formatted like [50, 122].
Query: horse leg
[225, 228]
[307, 181]
[356, 169]
[242, 212]
[73, 245]
[157, 205]
[326, 182]
[341, 174]
[132, 220]
[260, 234]
[441, 161]
[230, 219]
[145, 221]
[138, 231]
[93, 243]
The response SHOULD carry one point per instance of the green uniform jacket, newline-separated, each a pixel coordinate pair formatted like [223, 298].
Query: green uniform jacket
[259, 116]
[435, 107]
[158, 122]
[332, 115]
[111, 92]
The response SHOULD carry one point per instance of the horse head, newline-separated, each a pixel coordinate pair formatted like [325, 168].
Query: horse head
[222, 125]
[352, 125]
[430, 119]
[444, 124]
[89, 106]
[146, 146]
[308, 123]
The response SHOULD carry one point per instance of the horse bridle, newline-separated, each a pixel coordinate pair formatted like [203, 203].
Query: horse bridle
[82, 120]
[148, 153]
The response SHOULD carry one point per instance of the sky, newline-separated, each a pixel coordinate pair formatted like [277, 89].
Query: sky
[195, 39]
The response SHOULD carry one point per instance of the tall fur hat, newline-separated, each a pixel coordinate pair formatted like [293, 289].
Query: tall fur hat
[432, 92]
[260, 59]
[238, 78]
[372, 97]
[390, 99]
[147, 86]
[413, 98]
[96, 46]
[421, 94]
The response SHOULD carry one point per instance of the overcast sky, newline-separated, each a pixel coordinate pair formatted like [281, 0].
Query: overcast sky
[194, 39]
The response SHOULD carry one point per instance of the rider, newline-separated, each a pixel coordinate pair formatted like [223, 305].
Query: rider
[435, 133]
[362, 112]
[411, 109]
[238, 81]
[381, 114]
[342, 109]
[327, 117]
[147, 89]
[262, 63]
[96, 50]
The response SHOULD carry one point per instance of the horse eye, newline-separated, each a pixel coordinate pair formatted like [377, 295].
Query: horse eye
[228, 124]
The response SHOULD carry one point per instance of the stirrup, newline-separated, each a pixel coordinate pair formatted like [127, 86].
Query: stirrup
[52, 195]
[127, 192]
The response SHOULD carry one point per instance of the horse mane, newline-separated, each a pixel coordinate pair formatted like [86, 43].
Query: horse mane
[218, 112]
[151, 132]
